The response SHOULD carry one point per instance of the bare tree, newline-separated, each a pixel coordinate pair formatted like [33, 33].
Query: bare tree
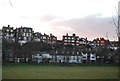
[116, 22]
[118, 28]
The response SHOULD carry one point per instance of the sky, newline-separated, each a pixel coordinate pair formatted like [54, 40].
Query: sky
[85, 18]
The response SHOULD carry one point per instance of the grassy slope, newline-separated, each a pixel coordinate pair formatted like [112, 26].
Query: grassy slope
[27, 71]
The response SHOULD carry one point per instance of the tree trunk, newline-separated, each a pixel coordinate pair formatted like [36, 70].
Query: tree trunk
[119, 42]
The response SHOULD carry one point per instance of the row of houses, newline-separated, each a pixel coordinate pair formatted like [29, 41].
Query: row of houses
[51, 57]
[23, 35]
[77, 41]
[60, 56]
[63, 58]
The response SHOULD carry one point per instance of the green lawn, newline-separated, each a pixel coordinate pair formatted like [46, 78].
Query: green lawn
[42, 71]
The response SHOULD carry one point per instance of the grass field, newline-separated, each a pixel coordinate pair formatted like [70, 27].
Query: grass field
[44, 71]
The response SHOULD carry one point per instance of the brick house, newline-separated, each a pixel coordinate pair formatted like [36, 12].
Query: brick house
[53, 39]
[8, 33]
[45, 38]
[71, 40]
[23, 34]
[37, 36]
[48, 38]
[83, 41]
[100, 42]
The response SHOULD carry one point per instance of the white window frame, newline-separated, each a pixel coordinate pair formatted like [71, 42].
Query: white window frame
[65, 41]
[11, 30]
[68, 37]
[65, 37]
[29, 30]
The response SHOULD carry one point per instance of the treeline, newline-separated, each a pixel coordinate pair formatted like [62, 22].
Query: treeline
[103, 54]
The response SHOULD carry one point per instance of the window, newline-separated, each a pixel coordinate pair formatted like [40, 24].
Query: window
[68, 40]
[11, 30]
[11, 35]
[65, 40]
[37, 54]
[19, 37]
[7, 30]
[25, 30]
[26, 34]
[29, 30]
[73, 44]
[67, 52]
[77, 41]
[7, 34]
[72, 52]
[23, 34]
[25, 38]
[30, 34]
[56, 51]
[65, 37]
[62, 52]
[102, 41]
[44, 37]
[73, 41]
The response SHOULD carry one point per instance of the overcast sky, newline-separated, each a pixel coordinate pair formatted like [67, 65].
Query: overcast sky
[86, 18]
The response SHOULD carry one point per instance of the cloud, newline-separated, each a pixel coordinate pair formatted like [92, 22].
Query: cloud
[48, 18]
[92, 26]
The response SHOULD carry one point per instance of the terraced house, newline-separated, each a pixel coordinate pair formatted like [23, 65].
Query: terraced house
[8, 34]
[23, 34]
[24, 45]
[38, 37]
[63, 56]
[71, 40]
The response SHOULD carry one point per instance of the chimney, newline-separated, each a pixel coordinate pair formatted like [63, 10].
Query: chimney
[50, 34]
[8, 25]
[67, 34]
[73, 34]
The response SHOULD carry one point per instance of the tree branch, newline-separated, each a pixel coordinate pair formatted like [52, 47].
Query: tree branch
[114, 22]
